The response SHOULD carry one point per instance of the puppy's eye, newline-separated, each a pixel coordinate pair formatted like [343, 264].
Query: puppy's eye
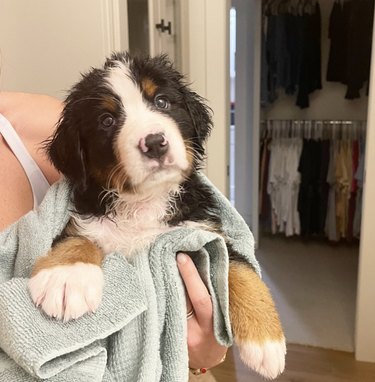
[107, 120]
[162, 102]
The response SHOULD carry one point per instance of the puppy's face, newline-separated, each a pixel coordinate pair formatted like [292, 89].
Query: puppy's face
[132, 126]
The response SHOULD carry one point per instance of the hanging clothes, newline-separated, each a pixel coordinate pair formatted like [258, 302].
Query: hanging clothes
[350, 32]
[292, 50]
[353, 190]
[359, 176]
[312, 199]
[330, 222]
[310, 71]
[343, 174]
[265, 215]
[314, 178]
[284, 180]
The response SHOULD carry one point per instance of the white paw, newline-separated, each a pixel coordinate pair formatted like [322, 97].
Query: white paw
[267, 359]
[68, 291]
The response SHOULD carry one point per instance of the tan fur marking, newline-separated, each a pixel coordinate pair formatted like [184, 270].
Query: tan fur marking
[109, 104]
[112, 178]
[118, 178]
[101, 175]
[149, 87]
[252, 310]
[70, 251]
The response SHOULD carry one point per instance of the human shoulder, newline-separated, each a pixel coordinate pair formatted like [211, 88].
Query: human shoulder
[34, 117]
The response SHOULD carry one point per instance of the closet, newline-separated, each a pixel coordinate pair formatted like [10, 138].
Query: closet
[302, 139]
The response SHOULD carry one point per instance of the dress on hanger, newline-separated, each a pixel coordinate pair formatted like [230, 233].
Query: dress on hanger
[38, 182]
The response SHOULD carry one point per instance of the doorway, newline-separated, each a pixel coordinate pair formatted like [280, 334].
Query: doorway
[314, 281]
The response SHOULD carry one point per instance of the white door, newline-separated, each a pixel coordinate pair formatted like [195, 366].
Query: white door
[208, 70]
[152, 27]
[44, 45]
[163, 27]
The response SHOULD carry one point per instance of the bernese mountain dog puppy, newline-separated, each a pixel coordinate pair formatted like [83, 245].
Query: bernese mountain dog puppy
[130, 142]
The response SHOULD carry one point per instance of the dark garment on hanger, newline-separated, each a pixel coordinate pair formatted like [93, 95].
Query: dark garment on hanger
[350, 32]
[353, 193]
[309, 192]
[310, 71]
[275, 54]
[293, 55]
[264, 89]
[338, 35]
[323, 185]
[294, 32]
[264, 198]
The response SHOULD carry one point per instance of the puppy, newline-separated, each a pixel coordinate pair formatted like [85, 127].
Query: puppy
[130, 142]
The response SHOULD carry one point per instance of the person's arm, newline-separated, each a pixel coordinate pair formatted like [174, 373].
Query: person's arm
[204, 351]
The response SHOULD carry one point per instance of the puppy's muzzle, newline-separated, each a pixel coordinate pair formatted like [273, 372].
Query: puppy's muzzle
[154, 146]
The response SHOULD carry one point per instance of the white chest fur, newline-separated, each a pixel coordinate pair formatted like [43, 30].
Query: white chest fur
[134, 226]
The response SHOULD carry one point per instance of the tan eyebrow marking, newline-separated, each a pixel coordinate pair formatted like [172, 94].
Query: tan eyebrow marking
[109, 104]
[149, 87]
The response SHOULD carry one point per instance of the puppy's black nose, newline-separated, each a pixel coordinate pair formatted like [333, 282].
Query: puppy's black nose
[154, 145]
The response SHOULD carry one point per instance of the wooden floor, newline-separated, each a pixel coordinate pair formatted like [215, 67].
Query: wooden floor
[303, 364]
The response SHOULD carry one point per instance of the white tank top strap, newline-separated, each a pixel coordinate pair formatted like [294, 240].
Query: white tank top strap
[39, 183]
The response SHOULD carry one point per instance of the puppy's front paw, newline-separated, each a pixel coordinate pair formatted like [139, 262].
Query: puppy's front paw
[267, 359]
[68, 291]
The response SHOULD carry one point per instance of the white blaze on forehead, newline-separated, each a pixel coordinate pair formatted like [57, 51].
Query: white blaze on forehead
[120, 80]
[141, 120]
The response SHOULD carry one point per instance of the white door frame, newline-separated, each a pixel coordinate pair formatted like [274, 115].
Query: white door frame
[247, 110]
[206, 62]
[365, 320]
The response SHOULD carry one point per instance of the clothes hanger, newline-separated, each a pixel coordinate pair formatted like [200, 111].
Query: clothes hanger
[318, 130]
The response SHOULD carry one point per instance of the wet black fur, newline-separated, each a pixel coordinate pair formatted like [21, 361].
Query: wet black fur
[81, 146]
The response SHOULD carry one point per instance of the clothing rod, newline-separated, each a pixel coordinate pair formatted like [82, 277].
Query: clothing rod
[332, 122]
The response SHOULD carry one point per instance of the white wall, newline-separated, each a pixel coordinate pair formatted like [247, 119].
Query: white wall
[44, 45]
[328, 103]
[208, 71]
[365, 325]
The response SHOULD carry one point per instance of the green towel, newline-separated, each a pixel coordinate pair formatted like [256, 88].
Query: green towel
[139, 331]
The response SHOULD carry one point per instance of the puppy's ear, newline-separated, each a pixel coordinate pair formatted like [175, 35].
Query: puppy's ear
[200, 114]
[66, 152]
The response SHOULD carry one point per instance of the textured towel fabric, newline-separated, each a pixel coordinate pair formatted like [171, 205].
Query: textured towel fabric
[139, 332]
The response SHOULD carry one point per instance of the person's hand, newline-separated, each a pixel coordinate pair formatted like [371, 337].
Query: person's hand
[204, 351]
[34, 117]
